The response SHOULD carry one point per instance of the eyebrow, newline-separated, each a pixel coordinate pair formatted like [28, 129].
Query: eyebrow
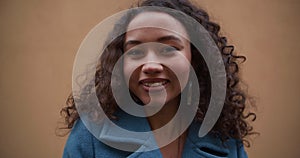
[169, 38]
[161, 39]
[132, 42]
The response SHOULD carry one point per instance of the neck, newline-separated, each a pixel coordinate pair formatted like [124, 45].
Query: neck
[160, 119]
[166, 113]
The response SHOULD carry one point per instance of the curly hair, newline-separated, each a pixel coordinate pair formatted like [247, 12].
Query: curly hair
[234, 119]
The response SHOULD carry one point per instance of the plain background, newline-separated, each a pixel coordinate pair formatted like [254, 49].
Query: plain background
[38, 44]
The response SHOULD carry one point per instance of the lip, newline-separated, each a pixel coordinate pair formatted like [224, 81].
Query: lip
[155, 84]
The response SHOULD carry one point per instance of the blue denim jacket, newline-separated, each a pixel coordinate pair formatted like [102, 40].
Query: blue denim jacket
[82, 144]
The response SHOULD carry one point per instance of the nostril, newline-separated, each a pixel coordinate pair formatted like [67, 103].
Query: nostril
[150, 68]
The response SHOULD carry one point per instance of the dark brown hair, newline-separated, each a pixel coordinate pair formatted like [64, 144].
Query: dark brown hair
[234, 119]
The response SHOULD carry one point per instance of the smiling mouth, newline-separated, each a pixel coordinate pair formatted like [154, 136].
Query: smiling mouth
[154, 84]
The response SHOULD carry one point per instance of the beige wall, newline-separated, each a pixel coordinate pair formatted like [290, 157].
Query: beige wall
[39, 40]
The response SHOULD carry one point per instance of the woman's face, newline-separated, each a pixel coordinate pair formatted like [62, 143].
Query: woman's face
[155, 48]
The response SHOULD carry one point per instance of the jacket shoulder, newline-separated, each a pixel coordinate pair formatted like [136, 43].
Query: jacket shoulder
[79, 143]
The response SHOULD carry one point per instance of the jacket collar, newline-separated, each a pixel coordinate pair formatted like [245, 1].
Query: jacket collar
[194, 146]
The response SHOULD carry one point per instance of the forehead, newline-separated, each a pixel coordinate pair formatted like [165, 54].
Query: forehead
[159, 20]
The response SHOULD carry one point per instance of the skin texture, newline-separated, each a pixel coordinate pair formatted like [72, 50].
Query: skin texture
[150, 54]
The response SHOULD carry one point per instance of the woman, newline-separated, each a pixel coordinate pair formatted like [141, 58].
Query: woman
[154, 63]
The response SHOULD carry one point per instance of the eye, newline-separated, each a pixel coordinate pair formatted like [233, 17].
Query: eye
[168, 50]
[135, 53]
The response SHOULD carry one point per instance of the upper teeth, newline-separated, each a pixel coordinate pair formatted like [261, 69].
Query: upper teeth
[155, 84]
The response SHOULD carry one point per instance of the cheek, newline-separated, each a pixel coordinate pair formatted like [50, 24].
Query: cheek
[186, 66]
[181, 69]
[183, 72]
[180, 75]
[127, 70]
[130, 73]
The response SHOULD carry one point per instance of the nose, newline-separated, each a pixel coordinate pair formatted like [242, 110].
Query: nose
[152, 68]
